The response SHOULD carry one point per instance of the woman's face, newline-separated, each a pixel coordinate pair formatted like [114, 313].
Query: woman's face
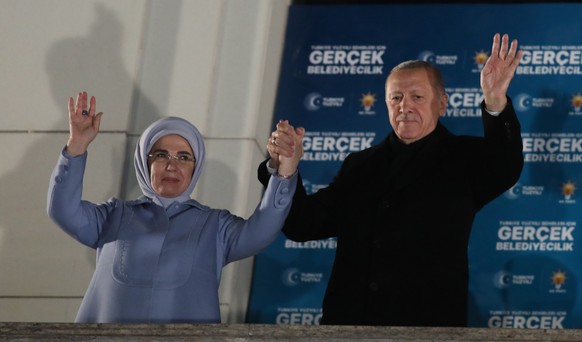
[171, 176]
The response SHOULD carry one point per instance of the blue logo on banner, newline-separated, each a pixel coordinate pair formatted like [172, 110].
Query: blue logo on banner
[291, 277]
[522, 102]
[427, 56]
[312, 101]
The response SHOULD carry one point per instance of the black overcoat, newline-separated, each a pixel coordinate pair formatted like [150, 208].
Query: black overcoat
[402, 219]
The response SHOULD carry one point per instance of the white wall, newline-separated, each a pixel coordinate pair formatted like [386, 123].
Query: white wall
[213, 62]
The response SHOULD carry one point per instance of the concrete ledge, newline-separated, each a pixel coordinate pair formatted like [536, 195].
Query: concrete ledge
[267, 332]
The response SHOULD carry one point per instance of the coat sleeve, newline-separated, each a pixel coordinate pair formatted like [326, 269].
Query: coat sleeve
[311, 216]
[82, 220]
[243, 238]
[502, 156]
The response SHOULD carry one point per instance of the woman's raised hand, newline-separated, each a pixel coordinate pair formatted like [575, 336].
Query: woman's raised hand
[83, 123]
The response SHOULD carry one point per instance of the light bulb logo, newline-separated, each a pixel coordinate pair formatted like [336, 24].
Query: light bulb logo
[480, 59]
[558, 278]
[368, 101]
[577, 102]
[568, 189]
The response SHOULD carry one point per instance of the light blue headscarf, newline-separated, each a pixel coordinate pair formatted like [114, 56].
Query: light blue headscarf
[158, 129]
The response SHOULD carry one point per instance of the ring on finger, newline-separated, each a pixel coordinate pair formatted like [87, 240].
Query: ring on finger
[85, 112]
[274, 141]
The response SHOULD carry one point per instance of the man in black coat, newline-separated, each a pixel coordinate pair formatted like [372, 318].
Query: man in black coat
[402, 210]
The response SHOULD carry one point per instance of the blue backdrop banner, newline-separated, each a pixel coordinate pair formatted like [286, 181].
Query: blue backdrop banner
[525, 265]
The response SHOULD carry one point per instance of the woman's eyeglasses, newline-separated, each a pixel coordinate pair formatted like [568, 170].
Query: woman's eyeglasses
[183, 159]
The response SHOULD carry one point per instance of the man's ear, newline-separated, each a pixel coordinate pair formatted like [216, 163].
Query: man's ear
[443, 104]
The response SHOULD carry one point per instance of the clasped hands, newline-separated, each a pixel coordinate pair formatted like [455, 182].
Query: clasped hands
[285, 148]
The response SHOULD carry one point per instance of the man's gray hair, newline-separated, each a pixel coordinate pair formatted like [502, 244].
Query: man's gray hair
[434, 73]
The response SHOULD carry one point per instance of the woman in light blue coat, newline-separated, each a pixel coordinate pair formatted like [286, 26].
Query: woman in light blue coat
[159, 257]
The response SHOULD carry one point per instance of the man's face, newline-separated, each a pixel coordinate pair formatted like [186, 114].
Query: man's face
[413, 106]
[170, 178]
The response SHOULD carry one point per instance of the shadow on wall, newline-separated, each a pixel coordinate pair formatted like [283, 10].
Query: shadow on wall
[94, 63]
